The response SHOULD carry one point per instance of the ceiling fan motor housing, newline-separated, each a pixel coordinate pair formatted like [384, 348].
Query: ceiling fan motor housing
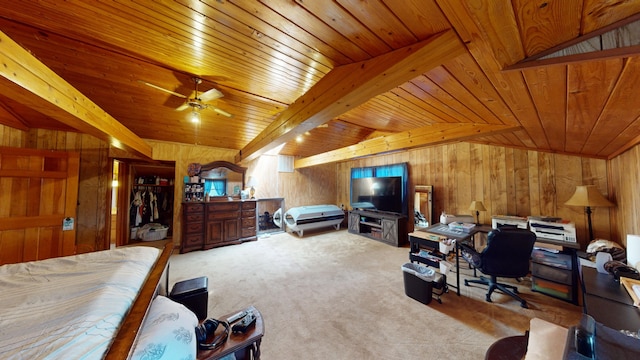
[196, 103]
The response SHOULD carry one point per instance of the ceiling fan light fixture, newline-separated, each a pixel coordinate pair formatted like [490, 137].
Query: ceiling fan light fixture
[195, 116]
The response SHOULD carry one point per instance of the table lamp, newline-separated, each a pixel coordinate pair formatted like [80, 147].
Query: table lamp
[588, 196]
[477, 206]
[252, 183]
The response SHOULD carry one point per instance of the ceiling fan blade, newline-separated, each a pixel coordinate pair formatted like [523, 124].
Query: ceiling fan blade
[182, 107]
[221, 112]
[163, 89]
[211, 95]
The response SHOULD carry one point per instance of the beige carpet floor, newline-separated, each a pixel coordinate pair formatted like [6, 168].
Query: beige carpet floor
[335, 295]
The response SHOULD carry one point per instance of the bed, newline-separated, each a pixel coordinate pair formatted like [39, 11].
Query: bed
[82, 306]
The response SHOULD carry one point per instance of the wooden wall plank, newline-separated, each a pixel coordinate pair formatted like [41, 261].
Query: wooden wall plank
[522, 186]
[463, 174]
[510, 181]
[534, 183]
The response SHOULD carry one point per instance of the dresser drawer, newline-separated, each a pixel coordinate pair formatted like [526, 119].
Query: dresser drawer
[193, 208]
[223, 206]
[193, 218]
[248, 232]
[194, 228]
[249, 205]
[221, 215]
[193, 240]
[248, 221]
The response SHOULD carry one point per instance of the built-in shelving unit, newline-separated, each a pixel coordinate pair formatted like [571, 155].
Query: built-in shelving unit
[151, 197]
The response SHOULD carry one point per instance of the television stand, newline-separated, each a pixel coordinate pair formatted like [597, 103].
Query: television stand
[390, 228]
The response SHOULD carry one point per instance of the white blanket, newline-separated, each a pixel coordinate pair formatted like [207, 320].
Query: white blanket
[70, 307]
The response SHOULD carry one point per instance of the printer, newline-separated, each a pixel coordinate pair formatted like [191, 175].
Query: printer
[559, 231]
[449, 218]
[498, 221]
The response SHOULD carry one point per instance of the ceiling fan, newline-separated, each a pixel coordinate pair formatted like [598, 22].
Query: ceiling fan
[196, 101]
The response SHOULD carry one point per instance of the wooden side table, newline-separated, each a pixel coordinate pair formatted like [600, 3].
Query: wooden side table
[245, 346]
[508, 348]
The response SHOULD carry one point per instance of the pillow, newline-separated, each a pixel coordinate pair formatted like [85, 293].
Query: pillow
[546, 340]
[168, 332]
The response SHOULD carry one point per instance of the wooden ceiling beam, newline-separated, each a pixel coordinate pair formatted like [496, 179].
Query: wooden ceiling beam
[31, 82]
[617, 53]
[597, 45]
[348, 86]
[425, 136]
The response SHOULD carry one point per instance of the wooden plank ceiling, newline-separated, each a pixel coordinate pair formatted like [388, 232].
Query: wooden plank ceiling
[268, 58]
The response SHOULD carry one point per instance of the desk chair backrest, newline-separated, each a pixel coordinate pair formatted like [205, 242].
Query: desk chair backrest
[508, 252]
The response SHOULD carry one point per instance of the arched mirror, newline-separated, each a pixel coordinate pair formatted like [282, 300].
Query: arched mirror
[423, 206]
[222, 179]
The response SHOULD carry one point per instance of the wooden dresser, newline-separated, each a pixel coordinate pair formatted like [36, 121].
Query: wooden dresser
[206, 225]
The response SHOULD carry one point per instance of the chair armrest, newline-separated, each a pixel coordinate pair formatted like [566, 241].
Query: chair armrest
[470, 255]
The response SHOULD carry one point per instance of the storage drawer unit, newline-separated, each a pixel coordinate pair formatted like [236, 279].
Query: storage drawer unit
[554, 274]
[192, 227]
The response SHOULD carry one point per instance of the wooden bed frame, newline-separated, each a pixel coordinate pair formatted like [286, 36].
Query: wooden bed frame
[125, 340]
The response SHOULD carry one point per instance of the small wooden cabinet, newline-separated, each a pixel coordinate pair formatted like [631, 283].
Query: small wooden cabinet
[211, 224]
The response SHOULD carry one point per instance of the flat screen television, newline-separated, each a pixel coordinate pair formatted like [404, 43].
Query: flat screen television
[379, 193]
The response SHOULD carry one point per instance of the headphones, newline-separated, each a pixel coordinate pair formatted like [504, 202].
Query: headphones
[208, 328]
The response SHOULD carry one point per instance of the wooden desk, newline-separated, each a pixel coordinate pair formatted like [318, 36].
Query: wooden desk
[608, 302]
[433, 233]
[245, 346]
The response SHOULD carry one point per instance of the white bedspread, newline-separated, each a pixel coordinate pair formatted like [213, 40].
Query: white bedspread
[70, 307]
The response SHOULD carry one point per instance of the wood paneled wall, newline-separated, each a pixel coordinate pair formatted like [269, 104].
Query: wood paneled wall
[624, 173]
[508, 181]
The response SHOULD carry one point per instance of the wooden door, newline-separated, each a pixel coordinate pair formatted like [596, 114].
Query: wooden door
[38, 195]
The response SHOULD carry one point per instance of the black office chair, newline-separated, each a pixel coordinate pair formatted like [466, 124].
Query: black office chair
[507, 255]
